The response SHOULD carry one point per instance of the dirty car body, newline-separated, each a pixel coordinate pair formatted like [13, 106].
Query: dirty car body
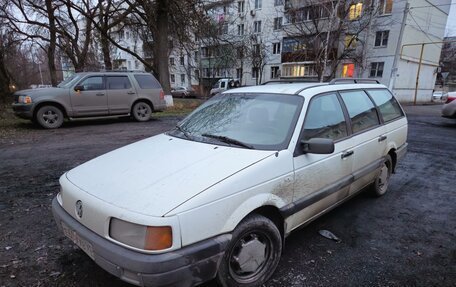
[216, 197]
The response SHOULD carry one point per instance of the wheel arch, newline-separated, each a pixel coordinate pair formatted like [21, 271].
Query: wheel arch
[145, 100]
[50, 103]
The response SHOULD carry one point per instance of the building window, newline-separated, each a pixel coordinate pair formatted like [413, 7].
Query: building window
[240, 52]
[350, 41]
[239, 73]
[376, 70]
[181, 60]
[276, 48]
[385, 7]
[205, 52]
[257, 26]
[256, 49]
[240, 29]
[254, 73]
[183, 78]
[278, 2]
[121, 34]
[381, 38]
[348, 70]
[275, 72]
[197, 74]
[258, 4]
[278, 23]
[355, 11]
[173, 78]
[241, 6]
[196, 55]
[224, 29]
[171, 61]
[298, 70]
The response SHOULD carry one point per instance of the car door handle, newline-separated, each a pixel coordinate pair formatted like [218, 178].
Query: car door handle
[100, 94]
[131, 93]
[347, 154]
[382, 138]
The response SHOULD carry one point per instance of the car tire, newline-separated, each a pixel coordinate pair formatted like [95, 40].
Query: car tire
[380, 185]
[257, 243]
[141, 111]
[49, 117]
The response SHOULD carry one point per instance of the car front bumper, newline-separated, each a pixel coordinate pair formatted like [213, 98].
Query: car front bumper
[449, 110]
[24, 111]
[187, 266]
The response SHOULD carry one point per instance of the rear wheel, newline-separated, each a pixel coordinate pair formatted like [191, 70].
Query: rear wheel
[252, 255]
[49, 117]
[141, 111]
[381, 183]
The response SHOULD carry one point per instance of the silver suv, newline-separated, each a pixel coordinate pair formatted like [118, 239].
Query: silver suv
[92, 94]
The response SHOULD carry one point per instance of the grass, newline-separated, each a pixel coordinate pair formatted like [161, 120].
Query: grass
[181, 107]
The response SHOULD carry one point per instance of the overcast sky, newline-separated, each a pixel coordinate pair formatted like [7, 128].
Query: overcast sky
[451, 23]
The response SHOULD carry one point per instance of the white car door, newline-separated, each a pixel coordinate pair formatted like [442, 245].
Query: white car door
[369, 138]
[321, 180]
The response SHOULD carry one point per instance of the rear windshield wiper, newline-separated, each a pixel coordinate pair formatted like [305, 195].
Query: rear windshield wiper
[228, 140]
[182, 130]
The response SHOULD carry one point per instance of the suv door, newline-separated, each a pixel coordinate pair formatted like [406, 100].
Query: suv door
[322, 180]
[91, 100]
[121, 94]
[369, 137]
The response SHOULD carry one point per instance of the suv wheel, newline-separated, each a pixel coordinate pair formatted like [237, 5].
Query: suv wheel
[252, 255]
[381, 182]
[49, 117]
[141, 111]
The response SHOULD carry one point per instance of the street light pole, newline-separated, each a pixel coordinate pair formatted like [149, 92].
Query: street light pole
[398, 48]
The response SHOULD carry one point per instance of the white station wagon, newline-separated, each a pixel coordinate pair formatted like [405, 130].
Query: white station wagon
[216, 196]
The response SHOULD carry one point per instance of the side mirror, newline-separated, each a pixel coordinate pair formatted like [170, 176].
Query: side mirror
[78, 88]
[318, 146]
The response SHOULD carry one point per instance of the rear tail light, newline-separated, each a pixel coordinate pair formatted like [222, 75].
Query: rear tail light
[450, 99]
[162, 95]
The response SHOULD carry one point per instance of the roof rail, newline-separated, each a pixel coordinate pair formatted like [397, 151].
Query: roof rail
[287, 81]
[352, 80]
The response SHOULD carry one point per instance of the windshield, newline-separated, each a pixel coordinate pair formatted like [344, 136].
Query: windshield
[68, 82]
[216, 85]
[260, 121]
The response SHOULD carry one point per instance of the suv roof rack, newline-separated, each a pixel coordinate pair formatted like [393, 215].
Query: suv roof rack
[352, 80]
[123, 71]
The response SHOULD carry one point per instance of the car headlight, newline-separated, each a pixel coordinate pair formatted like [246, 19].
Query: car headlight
[141, 236]
[25, 99]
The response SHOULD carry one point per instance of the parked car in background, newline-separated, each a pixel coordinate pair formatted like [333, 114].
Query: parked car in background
[224, 84]
[275, 157]
[438, 96]
[90, 95]
[183, 92]
[449, 108]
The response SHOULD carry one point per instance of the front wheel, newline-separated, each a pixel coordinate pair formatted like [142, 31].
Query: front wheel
[49, 117]
[141, 111]
[381, 183]
[252, 255]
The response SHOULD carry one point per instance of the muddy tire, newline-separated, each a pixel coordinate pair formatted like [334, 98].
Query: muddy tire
[380, 185]
[252, 255]
[49, 117]
[141, 111]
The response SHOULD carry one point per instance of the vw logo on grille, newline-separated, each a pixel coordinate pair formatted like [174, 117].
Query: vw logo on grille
[79, 208]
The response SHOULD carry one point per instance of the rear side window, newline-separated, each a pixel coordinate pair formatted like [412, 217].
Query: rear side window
[118, 82]
[325, 119]
[147, 81]
[361, 110]
[387, 104]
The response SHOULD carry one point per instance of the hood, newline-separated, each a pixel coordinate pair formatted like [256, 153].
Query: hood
[35, 93]
[157, 174]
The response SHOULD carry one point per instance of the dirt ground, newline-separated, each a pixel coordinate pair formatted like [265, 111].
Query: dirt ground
[406, 238]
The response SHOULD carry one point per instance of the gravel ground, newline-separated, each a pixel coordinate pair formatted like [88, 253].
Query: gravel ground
[406, 238]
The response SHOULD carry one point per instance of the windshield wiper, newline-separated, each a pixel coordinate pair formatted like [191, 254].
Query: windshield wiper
[228, 140]
[181, 129]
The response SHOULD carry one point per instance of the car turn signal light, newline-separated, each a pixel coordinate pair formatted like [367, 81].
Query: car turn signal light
[158, 238]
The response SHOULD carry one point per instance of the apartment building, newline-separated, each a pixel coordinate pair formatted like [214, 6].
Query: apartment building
[306, 39]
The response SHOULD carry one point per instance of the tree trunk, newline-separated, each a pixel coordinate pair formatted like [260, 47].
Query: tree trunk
[106, 52]
[4, 76]
[52, 43]
[161, 47]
